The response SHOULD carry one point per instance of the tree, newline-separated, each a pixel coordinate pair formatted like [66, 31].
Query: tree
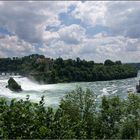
[109, 118]
[131, 123]
[118, 62]
[108, 62]
[79, 106]
[59, 61]
[77, 117]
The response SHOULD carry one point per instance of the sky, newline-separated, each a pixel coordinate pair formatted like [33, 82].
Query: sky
[91, 30]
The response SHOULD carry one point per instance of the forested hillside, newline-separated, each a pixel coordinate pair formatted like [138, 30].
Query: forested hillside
[48, 70]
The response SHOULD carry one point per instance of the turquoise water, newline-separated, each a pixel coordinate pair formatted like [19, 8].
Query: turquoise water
[54, 92]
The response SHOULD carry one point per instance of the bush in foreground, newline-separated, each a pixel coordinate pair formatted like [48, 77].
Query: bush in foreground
[77, 117]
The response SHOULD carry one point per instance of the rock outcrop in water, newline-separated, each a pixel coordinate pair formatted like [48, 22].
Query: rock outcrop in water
[13, 85]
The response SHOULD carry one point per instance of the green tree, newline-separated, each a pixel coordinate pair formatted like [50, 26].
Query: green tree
[108, 62]
[131, 122]
[109, 118]
[79, 105]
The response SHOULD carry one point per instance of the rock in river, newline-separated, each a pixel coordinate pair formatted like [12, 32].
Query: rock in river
[13, 85]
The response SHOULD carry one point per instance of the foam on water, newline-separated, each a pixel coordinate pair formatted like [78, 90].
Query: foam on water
[30, 88]
[30, 85]
[54, 92]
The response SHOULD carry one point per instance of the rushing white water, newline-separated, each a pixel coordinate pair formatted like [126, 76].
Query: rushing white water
[54, 92]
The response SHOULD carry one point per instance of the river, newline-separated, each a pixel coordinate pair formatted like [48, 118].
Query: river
[54, 92]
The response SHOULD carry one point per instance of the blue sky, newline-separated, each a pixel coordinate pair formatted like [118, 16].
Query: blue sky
[90, 30]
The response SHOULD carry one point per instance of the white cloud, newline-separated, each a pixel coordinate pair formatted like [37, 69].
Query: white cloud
[28, 22]
[122, 17]
[29, 19]
[58, 49]
[72, 34]
[91, 13]
[98, 48]
[49, 37]
[13, 46]
[102, 47]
